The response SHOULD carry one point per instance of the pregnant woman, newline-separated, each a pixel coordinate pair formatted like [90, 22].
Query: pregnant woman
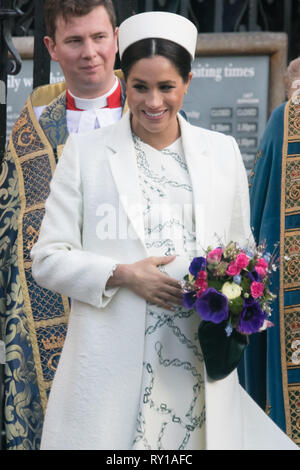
[130, 206]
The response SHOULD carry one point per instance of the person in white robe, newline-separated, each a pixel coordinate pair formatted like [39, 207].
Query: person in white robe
[130, 205]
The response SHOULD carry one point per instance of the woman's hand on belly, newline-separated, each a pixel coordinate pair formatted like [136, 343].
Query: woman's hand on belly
[146, 280]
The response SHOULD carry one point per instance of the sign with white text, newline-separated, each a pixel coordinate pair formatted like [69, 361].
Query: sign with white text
[229, 94]
[19, 88]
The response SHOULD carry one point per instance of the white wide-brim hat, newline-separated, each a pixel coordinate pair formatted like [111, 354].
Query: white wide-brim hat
[158, 24]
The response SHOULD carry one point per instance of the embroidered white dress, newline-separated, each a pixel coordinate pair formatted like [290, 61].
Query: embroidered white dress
[172, 409]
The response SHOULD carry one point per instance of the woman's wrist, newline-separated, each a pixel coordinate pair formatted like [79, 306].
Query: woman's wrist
[119, 278]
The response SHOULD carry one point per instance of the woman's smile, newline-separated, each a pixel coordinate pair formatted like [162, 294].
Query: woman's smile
[155, 115]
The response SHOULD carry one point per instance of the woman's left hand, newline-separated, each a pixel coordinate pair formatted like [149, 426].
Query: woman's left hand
[146, 280]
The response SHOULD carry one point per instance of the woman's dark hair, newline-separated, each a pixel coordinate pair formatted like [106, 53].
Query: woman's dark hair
[150, 47]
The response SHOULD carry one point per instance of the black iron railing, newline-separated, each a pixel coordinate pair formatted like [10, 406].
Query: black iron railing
[8, 12]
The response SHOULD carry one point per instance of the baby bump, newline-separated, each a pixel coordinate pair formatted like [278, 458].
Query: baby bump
[178, 268]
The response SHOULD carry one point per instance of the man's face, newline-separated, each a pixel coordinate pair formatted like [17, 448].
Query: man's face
[85, 47]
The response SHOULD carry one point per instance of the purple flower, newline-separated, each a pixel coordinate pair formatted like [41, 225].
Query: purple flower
[189, 299]
[254, 276]
[252, 317]
[212, 306]
[198, 264]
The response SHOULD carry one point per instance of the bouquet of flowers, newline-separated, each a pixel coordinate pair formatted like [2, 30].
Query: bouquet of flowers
[228, 287]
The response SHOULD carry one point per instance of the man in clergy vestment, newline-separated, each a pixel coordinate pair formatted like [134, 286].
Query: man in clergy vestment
[272, 360]
[83, 39]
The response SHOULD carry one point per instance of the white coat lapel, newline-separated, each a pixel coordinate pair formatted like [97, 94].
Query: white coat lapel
[199, 162]
[125, 174]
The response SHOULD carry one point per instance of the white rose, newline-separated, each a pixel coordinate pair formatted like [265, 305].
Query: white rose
[231, 290]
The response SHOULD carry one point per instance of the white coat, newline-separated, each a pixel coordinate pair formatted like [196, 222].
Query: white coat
[96, 390]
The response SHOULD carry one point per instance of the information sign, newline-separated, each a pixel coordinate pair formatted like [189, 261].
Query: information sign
[229, 94]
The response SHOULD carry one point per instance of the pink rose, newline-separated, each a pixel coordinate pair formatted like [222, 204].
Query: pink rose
[257, 289]
[199, 283]
[202, 275]
[242, 260]
[261, 267]
[214, 256]
[233, 269]
[202, 288]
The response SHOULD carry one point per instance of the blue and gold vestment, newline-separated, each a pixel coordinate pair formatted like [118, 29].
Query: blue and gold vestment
[272, 361]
